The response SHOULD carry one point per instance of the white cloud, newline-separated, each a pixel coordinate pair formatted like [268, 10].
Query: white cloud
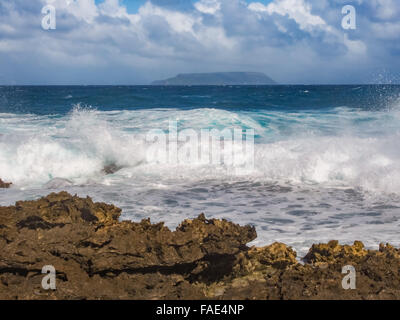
[178, 22]
[356, 47]
[113, 9]
[386, 9]
[81, 9]
[291, 40]
[297, 10]
[386, 30]
[208, 6]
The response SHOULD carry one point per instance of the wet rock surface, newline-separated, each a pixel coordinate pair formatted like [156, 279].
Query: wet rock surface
[111, 169]
[98, 257]
[4, 185]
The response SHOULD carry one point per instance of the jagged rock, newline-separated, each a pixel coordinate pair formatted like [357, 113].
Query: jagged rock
[277, 255]
[333, 252]
[255, 274]
[111, 168]
[4, 185]
[96, 256]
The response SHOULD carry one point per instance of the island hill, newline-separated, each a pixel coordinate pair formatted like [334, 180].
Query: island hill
[217, 79]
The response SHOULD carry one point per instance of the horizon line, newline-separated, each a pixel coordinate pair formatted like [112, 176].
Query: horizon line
[200, 85]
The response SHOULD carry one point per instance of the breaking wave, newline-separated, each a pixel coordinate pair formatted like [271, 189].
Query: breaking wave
[339, 147]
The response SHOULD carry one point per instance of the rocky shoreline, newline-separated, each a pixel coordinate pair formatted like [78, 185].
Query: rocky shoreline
[96, 256]
[4, 185]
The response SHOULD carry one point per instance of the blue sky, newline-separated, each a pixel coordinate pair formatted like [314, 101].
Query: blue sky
[134, 5]
[131, 5]
[138, 41]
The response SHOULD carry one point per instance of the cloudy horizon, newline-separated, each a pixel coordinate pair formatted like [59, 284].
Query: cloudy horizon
[115, 42]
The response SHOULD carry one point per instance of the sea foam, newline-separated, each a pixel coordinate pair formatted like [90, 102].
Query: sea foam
[342, 148]
[317, 174]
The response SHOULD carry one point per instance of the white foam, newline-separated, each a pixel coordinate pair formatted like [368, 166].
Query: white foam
[34, 150]
[318, 176]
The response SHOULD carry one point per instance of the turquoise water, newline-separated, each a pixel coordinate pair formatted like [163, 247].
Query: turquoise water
[326, 158]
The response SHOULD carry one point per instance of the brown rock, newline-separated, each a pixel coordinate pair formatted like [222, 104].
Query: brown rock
[335, 253]
[98, 257]
[111, 168]
[4, 185]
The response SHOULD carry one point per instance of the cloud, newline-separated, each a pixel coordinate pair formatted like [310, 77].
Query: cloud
[208, 6]
[293, 41]
[298, 10]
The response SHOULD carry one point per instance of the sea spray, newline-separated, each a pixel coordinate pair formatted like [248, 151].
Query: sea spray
[326, 161]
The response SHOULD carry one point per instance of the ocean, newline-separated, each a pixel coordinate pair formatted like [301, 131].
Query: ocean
[326, 158]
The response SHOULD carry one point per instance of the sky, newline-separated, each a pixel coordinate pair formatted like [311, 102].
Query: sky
[129, 42]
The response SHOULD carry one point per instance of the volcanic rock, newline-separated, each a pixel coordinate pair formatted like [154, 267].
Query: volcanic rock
[4, 185]
[97, 256]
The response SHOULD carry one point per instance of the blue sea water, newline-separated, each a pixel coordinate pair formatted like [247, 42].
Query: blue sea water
[326, 158]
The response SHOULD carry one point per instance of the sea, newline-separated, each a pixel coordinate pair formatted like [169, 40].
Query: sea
[326, 158]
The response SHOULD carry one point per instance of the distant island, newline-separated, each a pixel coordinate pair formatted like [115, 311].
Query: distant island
[217, 78]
